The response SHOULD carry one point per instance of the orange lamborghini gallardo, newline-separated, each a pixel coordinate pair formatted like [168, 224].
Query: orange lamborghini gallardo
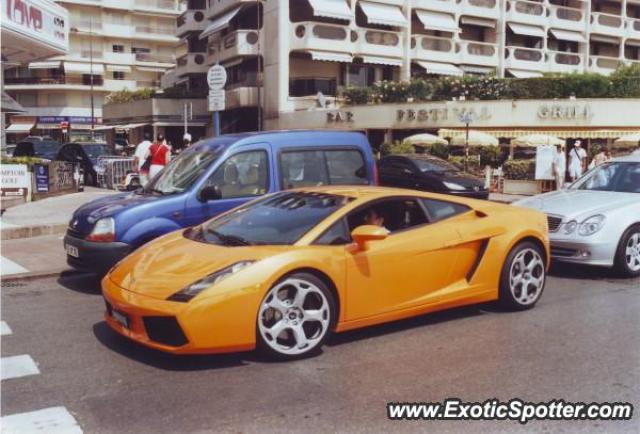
[283, 272]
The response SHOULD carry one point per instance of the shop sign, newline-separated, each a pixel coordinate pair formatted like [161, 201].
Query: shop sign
[42, 21]
[436, 114]
[42, 178]
[14, 180]
[565, 111]
[338, 117]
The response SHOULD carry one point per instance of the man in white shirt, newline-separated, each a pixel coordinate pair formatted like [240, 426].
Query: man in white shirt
[577, 161]
[559, 166]
[141, 154]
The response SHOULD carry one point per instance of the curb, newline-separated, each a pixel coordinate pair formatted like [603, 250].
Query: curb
[32, 275]
[33, 231]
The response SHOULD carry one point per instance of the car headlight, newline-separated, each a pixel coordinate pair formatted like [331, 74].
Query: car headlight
[591, 225]
[187, 293]
[454, 186]
[104, 231]
[569, 227]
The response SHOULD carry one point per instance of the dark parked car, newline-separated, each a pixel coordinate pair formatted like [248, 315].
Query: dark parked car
[87, 155]
[428, 173]
[37, 147]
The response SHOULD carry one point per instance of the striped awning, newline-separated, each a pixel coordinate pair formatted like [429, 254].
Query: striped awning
[563, 134]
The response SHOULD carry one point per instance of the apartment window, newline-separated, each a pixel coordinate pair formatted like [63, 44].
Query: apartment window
[118, 48]
[27, 99]
[137, 50]
[311, 86]
[56, 99]
[118, 75]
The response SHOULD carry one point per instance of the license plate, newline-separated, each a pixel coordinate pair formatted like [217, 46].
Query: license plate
[121, 319]
[72, 250]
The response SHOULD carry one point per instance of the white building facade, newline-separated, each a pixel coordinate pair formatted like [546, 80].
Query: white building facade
[293, 49]
[113, 45]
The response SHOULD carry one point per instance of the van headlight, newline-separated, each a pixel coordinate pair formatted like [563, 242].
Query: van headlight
[104, 231]
[591, 225]
[187, 293]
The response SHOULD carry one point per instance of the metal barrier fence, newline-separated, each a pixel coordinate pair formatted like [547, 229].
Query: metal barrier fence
[112, 171]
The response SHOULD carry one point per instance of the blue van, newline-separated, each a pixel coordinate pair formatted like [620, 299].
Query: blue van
[211, 177]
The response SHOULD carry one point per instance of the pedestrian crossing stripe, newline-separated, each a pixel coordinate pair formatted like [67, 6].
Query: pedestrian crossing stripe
[53, 420]
[17, 366]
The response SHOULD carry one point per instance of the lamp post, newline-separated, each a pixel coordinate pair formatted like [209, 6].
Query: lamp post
[259, 64]
[76, 30]
[466, 118]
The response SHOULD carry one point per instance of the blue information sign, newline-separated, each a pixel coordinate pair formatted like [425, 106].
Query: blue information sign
[42, 178]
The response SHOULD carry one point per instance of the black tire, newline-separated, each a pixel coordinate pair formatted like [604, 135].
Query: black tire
[621, 267]
[513, 298]
[268, 350]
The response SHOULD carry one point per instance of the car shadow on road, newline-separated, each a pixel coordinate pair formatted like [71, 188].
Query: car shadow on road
[77, 281]
[165, 361]
[415, 322]
[579, 271]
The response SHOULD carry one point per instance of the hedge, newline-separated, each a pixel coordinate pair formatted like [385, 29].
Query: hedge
[623, 83]
[521, 170]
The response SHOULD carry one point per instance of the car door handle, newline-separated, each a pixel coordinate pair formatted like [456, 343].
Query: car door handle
[176, 214]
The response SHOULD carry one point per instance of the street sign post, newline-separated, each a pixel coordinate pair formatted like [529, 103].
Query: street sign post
[216, 78]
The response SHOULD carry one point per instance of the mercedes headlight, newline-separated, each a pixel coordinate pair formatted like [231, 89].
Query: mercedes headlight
[187, 293]
[591, 225]
[570, 226]
[454, 186]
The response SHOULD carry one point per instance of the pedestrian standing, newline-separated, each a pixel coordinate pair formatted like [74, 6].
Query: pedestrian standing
[160, 154]
[577, 161]
[559, 166]
[141, 162]
[601, 157]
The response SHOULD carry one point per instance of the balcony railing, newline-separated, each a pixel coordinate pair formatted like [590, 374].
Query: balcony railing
[489, 4]
[87, 54]
[158, 58]
[607, 20]
[156, 4]
[166, 30]
[562, 58]
[634, 24]
[480, 48]
[85, 81]
[568, 14]
[528, 54]
[437, 44]
[88, 25]
[528, 7]
[602, 62]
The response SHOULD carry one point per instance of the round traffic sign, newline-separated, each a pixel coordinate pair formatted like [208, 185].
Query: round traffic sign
[217, 77]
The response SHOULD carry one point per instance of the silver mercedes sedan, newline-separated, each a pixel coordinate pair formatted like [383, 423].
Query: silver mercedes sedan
[596, 220]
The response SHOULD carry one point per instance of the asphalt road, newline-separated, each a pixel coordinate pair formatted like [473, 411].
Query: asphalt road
[581, 343]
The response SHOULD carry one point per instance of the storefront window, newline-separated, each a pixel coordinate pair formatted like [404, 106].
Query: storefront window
[311, 86]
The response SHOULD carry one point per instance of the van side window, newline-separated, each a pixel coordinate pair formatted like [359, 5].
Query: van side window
[346, 167]
[440, 209]
[243, 174]
[322, 167]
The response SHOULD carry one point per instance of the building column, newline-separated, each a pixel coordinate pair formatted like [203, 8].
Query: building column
[502, 36]
[405, 69]
[276, 28]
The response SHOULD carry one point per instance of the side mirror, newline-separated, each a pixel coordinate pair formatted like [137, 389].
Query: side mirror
[363, 234]
[211, 192]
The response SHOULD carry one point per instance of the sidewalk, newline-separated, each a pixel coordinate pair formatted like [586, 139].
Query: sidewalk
[505, 198]
[45, 217]
[33, 257]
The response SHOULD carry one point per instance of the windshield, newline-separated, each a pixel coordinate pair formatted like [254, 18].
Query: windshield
[42, 150]
[281, 218]
[622, 177]
[434, 166]
[181, 173]
[94, 151]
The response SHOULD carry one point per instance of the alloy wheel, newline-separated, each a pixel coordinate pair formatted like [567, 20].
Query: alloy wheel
[526, 276]
[632, 252]
[294, 317]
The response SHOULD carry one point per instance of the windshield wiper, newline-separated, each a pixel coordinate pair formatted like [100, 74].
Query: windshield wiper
[230, 240]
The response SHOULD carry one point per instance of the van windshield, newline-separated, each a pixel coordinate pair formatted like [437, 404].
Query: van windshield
[180, 174]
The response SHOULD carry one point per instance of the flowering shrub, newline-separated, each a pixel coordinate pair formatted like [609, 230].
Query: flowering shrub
[623, 83]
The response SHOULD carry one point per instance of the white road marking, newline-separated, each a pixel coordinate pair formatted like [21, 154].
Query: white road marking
[53, 420]
[8, 267]
[5, 329]
[18, 366]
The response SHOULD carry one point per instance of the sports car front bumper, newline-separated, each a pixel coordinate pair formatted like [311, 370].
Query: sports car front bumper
[200, 326]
